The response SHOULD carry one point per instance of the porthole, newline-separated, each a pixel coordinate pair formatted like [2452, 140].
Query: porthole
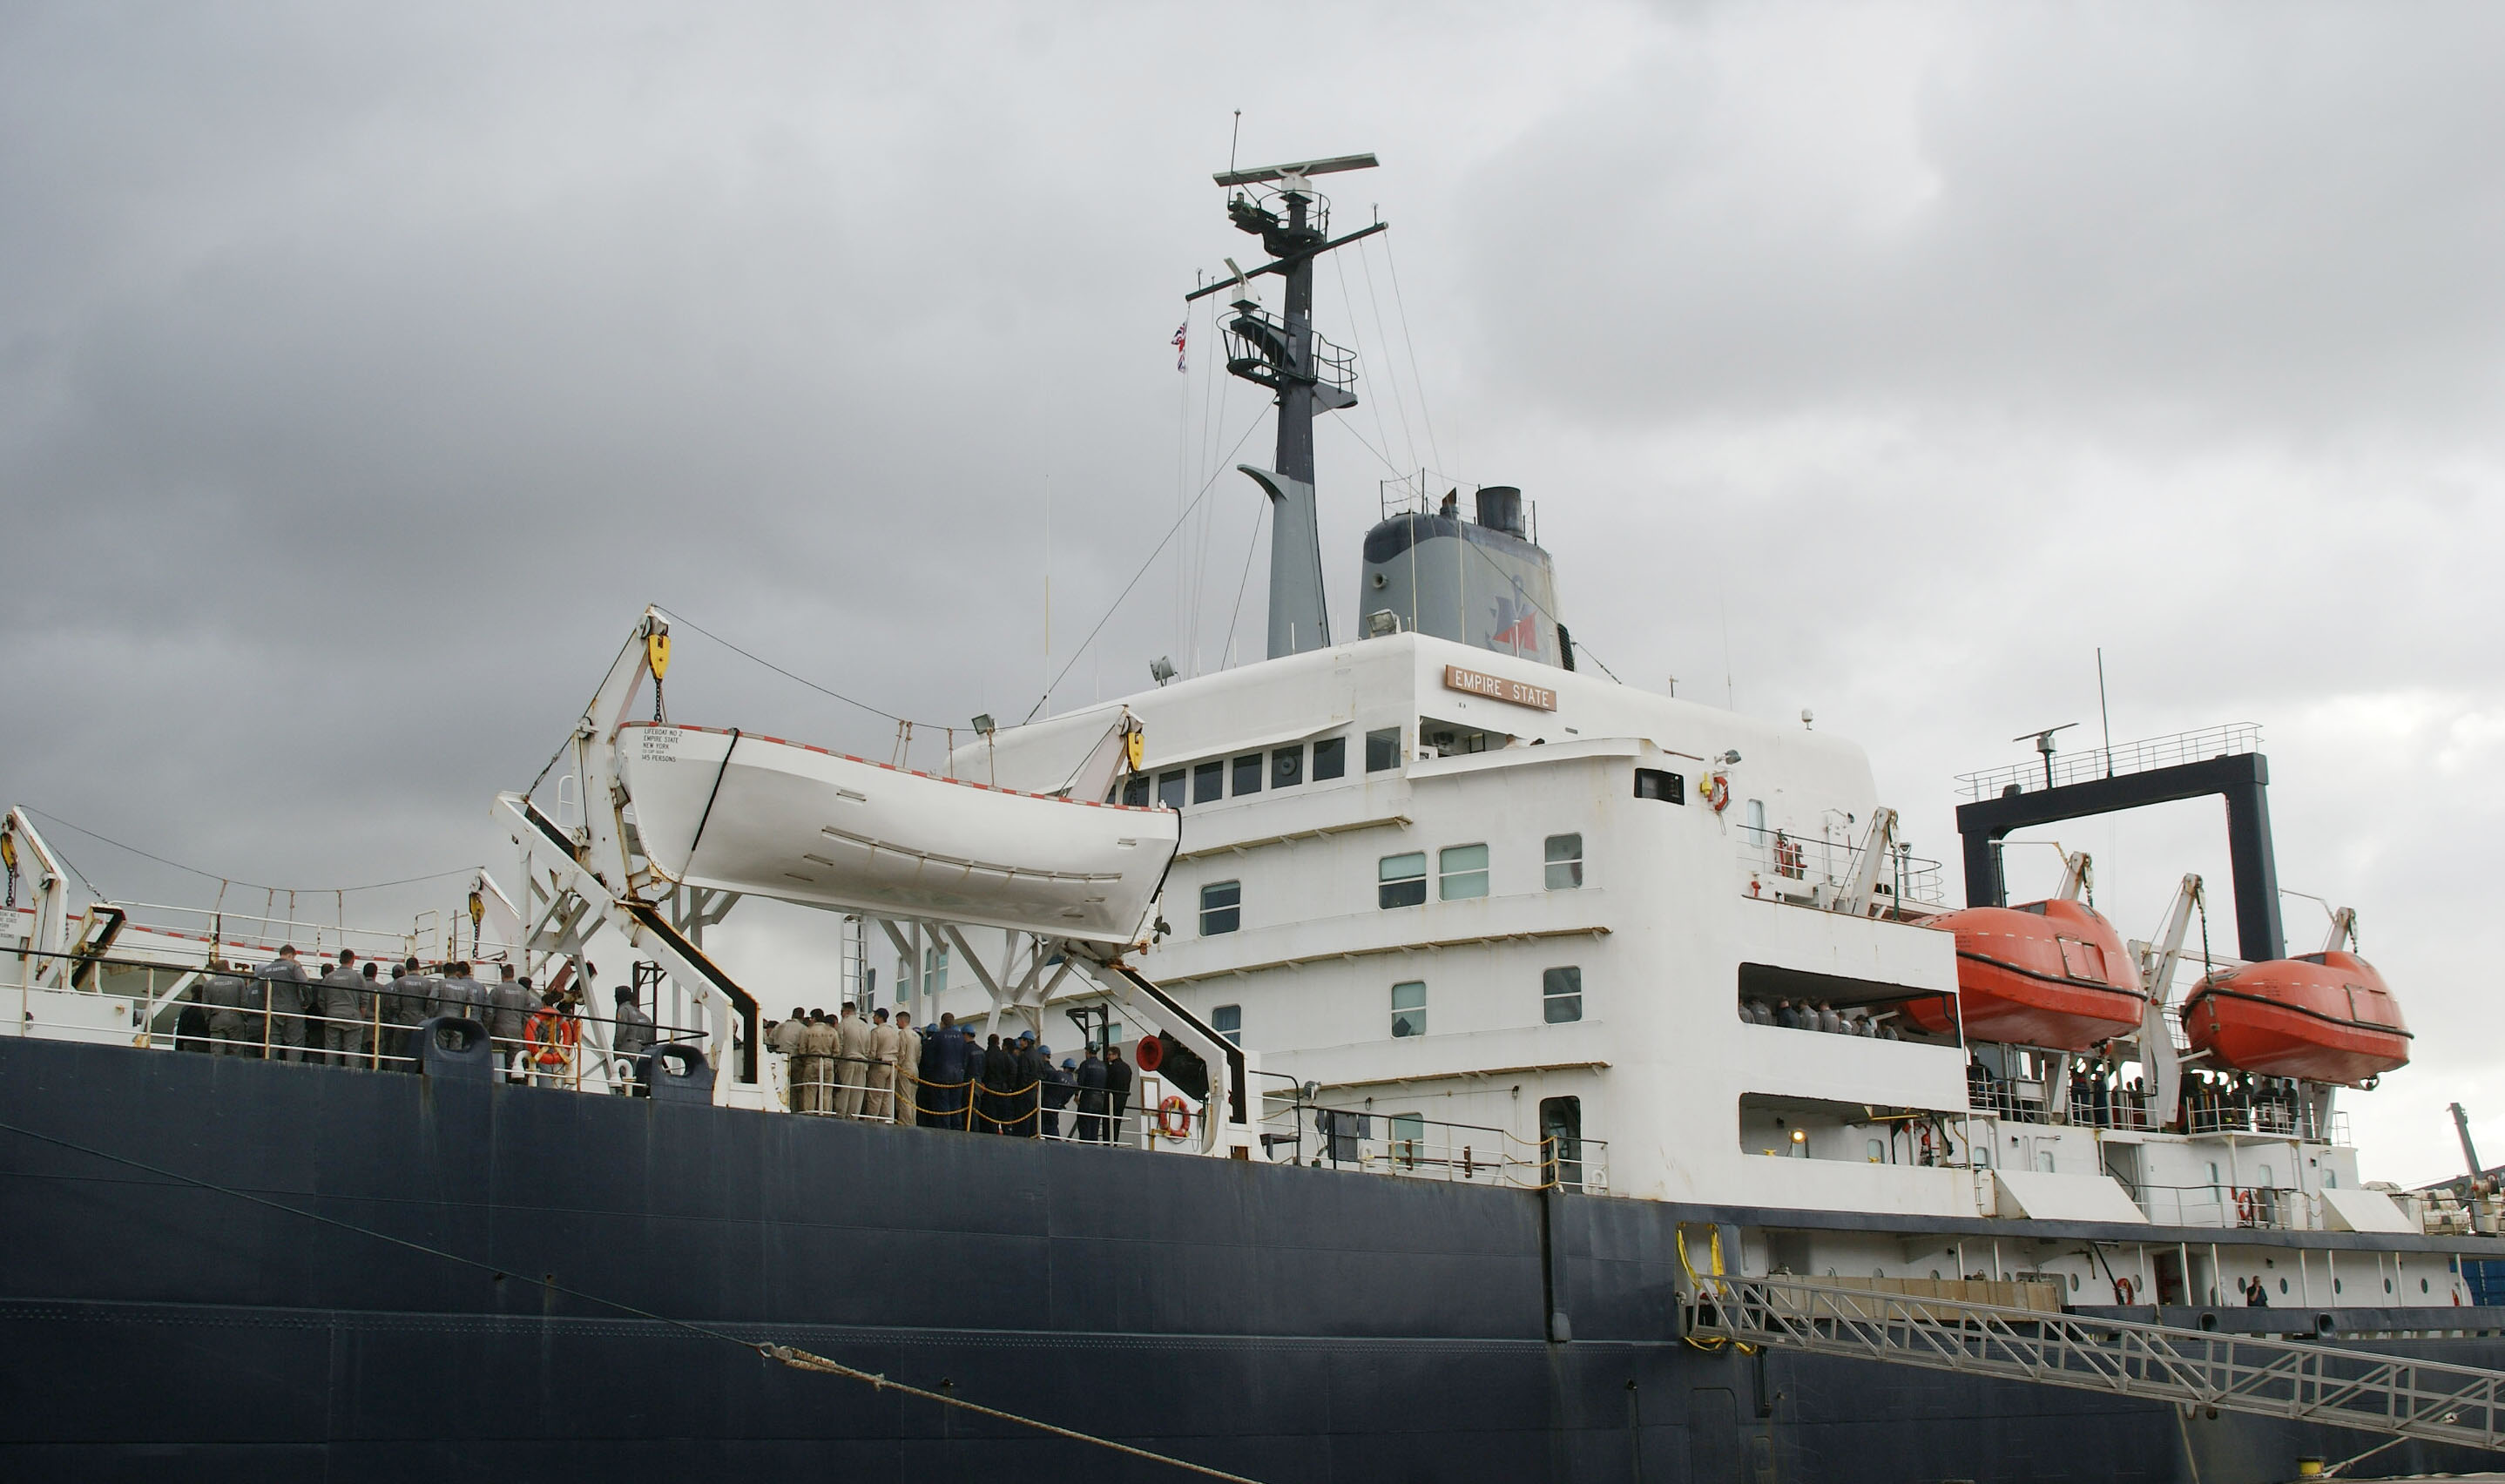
[2074, 1283]
[1936, 1272]
[2388, 1285]
[2282, 1284]
[1878, 1272]
[2422, 1288]
[2335, 1285]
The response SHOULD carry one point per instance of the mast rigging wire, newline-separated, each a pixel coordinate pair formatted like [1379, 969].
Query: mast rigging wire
[231, 880]
[1135, 580]
[785, 1354]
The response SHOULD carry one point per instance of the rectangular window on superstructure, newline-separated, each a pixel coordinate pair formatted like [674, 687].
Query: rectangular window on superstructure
[1409, 1008]
[1461, 870]
[1383, 750]
[1222, 907]
[1134, 791]
[1560, 995]
[1227, 1020]
[1565, 862]
[1208, 782]
[1401, 880]
[935, 966]
[1758, 821]
[1288, 766]
[1330, 758]
[1248, 774]
[1170, 789]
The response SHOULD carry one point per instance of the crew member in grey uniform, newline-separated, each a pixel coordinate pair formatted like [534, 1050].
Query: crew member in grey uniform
[510, 1003]
[285, 993]
[461, 994]
[408, 1001]
[341, 999]
[633, 1036]
[224, 994]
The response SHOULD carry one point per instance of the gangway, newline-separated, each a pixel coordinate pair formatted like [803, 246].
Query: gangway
[2266, 1377]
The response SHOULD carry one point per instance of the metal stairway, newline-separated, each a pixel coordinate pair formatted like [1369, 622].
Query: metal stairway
[2264, 1376]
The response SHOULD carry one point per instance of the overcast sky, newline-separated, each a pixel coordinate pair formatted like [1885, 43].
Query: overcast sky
[363, 372]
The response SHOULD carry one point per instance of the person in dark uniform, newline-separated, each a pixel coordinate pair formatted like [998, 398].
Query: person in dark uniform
[1118, 1093]
[999, 1080]
[1060, 1085]
[945, 1072]
[406, 1000]
[1091, 1098]
[192, 1022]
[1035, 1069]
[509, 1004]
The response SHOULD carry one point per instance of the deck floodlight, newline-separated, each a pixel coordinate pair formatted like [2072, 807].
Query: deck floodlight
[1161, 669]
[1731, 757]
[983, 724]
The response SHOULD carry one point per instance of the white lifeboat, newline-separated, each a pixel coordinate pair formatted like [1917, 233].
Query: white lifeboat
[757, 815]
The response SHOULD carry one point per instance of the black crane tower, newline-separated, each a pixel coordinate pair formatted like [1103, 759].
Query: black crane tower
[1306, 373]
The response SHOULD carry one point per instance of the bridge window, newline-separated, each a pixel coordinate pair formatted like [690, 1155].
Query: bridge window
[1409, 1008]
[1383, 750]
[1288, 766]
[1208, 782]
[1560, 995]
[1330, 758]
[1462, 872]
[1401, 880]
[1134, 791]
[1248, 774]
[1222, 907]
[1170, 789]
[1227, 1020]
[1565, 862]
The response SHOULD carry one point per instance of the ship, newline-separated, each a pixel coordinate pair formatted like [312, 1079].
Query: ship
[1533, 1078]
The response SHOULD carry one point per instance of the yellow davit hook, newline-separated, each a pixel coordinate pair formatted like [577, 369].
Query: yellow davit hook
[656, 648]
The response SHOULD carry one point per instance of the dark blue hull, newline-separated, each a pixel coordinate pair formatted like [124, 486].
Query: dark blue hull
[1283, 1324]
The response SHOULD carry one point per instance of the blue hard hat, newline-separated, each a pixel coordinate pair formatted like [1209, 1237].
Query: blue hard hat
[1070, 1062]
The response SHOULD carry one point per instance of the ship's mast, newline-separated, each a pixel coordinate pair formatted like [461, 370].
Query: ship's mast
[1308, 374]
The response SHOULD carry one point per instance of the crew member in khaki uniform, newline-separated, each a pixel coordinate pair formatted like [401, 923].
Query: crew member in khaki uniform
[816, 1061]
[856, 1036]
[878, 1104]
[908, 1061]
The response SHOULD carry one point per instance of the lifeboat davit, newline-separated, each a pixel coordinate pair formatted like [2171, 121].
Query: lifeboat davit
[2326, 1017]
[2049, 973]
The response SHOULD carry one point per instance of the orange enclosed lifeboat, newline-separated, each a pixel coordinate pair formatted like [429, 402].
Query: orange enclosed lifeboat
[2049, 973]
[2326, 1017]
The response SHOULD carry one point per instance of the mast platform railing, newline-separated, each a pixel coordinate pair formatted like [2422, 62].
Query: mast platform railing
[2261, 1376]
[2090, 763]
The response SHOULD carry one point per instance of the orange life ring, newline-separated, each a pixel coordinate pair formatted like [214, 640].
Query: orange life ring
[1718, 792]
[2122, 1291]
[2244, 1207]
[1173, 1116]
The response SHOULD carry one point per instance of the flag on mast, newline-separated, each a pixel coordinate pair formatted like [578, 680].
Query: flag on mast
[1181, 333]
